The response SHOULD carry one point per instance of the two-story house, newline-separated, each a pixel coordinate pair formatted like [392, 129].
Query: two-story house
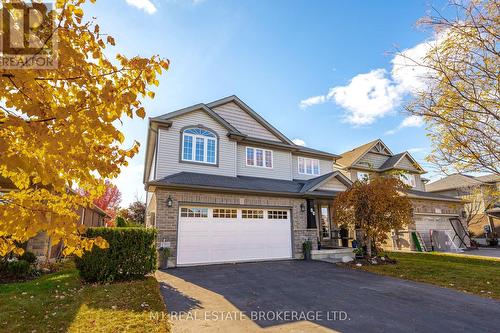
[482, 194]
[224, 185]
[431, 211]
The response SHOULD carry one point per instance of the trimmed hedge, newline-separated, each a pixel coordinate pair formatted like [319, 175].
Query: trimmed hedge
[16, 269]
[131, 255]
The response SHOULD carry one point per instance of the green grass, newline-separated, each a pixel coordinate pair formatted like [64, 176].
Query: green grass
[59, 302]
[465, 273]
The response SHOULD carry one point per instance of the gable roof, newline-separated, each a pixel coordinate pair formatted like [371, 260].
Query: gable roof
[191, 180]
[392, 162]
[315, 183]
[458, 180]
[350, 158]
[197, 107]
[251, 113]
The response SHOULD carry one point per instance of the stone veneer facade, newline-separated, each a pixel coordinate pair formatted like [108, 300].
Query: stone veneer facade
[166, 218]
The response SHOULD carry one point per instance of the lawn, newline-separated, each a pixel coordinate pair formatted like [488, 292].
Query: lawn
[59, 302]
[469, 274]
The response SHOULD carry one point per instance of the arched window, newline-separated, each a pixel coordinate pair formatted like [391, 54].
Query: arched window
[199, 145]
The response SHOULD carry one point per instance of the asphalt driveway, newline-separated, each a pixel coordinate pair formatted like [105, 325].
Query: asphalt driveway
[298, 296]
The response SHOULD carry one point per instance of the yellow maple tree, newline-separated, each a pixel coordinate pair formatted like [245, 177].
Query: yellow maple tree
[461, 99]
[58, 129]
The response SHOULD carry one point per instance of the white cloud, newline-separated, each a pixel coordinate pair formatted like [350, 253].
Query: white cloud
[417, 150]
[373, 95]
[299, 142]
[145, 5]
[410, 121]
[312, 101]
[367, 97]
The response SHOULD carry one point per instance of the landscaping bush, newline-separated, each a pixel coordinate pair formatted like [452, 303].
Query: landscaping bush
[15, 270]
[28, 256]
[131, 255]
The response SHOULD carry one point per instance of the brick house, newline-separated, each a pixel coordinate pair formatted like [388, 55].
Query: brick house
[224, 185]
[40, 244]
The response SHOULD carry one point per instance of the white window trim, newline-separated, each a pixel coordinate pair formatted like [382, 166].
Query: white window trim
[361, 173]
[305, 169]
[193, 148]
[255, 158]
[409, 179]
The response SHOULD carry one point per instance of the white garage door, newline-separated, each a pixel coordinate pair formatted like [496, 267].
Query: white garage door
[225, 234]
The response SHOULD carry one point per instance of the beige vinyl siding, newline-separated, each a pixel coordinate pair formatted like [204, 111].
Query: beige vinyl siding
[333, 185]
[169, 146]
[419, 184]
[372, 160]
[325, 166]
[406, 164]
[281, 164]
[243, 122]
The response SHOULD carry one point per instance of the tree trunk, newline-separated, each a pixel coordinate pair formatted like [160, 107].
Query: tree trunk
[369, 246]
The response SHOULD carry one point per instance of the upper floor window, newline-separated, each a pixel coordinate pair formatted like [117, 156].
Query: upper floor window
[408, 179]
[199, 145]
[363, 176]
[259, 157]
[308, 166]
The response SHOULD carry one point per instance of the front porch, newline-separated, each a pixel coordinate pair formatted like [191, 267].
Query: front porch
[332, 255]
[334, 242]
[330, 236]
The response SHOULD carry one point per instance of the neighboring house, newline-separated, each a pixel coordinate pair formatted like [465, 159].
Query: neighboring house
[40, 244]
[431, 211]
[224, 185]
[482, 194]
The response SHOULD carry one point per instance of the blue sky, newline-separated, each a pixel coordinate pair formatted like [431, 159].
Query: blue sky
[320, 71]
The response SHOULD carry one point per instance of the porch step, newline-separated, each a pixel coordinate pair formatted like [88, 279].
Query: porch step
[330, 260]
[332, 255]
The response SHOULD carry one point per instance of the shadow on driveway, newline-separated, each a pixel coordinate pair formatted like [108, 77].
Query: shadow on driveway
[324, 295]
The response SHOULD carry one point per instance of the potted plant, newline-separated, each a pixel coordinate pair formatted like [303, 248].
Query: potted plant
[358, 251]
[492, 240]
[307, 247]
[164, 253]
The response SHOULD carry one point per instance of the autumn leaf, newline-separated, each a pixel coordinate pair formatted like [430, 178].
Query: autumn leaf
[58, 129]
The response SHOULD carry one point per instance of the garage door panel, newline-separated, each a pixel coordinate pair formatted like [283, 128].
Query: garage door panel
[213, 240]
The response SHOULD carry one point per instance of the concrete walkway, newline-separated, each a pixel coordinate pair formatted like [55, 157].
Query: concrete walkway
[298, 296]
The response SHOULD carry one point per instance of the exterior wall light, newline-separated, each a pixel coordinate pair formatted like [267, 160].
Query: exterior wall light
[302, 207]
[170, 202]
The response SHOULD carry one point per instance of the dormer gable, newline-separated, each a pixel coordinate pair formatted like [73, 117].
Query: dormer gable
[380, 148]
[376, 156]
